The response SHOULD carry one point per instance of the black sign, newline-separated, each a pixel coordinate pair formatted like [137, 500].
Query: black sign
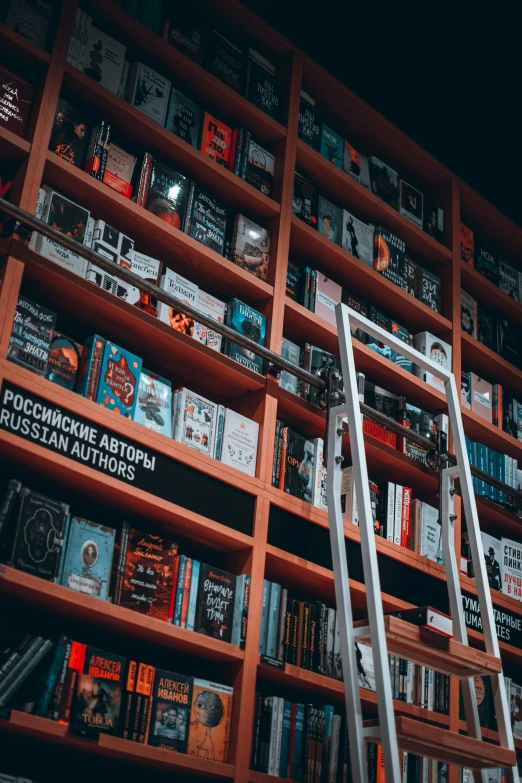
[40, 421]
[509, 625]
[273, 662]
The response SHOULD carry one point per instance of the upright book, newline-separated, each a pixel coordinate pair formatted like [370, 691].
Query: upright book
[250, 247]
[184, 118]
[148, 91]
[147, 563]
[245, 320]
[262, 88]
[87, 565]
[170, 711]
[195, 421]
[239, 442]
[210, 718]
[168, 194]
[216, 140]
[98, 696]
[310, 123]
[215, 605]
[206, 219]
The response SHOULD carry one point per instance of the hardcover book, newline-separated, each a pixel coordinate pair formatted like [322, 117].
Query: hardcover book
[195, 421]
[210, 718]
[70, 219]
[30, 18]
[329, 220]
[39, 533]
[384, 181]
[356, 165]
[150, 270]
[148, 91]
[119, 170]
[183, 36]
[481, 397]
[104, 59]
[185, 291]
[168, 194]
[90, 365]
[95, 274]
[216, 140]
[388, 255]
[508, 280]
[240, 437]
[148, 573]
[214, 308]
[290, 351]
[112, 244]
[262, 88]
[260, 168]
[64, 360]
[87, 564]
[465, 390]
[493, 558]
[215, 607]
[206, 219]
[170, 711]
[468, 313]
[328, 295]
[430, 289]
[99, 690]
[154, 408]
[184, 118]
[119, 378]
[486, 262]
[16, 96]
[250, 247]
[299, 466]
[511, 568]
[357, 237]
[411, 203]
[467, 245]
[224, 60]
[31, 336]
[304, 200]
[487, 329]
[410, 282]
[433, 223]
[310, 123]
[295, 279]
[70, 133]
[436, 350]
[332, 147]
[382, 400]
[251, 323]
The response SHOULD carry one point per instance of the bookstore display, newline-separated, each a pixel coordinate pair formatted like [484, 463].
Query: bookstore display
[201, 151]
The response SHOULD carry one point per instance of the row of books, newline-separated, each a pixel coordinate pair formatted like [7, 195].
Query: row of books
[486, 259]
[247, 72]
[95, 692]
[137, 570]
[297, 466]
[492, 328]
[114, 377]
[29, 19]
[376, 246]
[372, 173]
[500, 466]
[503, 558]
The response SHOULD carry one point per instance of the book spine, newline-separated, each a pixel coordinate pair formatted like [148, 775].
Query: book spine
[406, 517]
[142, 191]
[74, 666]
[246, 145]
[397, 521]
[282, 469]
[128, 698]
[305, 636]
[54, 707]
[263, 629]
[124, 541]
[274, 702]
[241, 152]
[279, 735]
[275, 475]
[220, 426]
[255, 755]
[19, 666]
[273, 620]
[294, 633]
[6, 509]
[299, 641]
[146, 706]
[180, 415]
[173, 592]
[190, 207]
[59, 655]
[94, 370]
[297, 755]
[193, 597]
[186, 594]
[238, 610]
[13, 656]
[245, 608]
[281, 634]
[38, 655]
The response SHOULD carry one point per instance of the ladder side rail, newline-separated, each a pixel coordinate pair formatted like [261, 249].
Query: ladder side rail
[352, 693]
[369, 551]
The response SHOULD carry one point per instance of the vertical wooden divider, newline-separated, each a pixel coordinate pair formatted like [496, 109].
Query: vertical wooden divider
[10, 286]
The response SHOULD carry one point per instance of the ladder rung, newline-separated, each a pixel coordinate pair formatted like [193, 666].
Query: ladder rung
[429, 648]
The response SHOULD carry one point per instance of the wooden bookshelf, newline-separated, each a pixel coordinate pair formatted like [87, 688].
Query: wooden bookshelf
[223, 531]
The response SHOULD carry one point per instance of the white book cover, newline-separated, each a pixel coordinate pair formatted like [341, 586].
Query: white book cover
[348, 500]
[438, 351]
[390, 511]
[430, 533]
[214, 308]
[104, 59]
[52, 250]
[195, 421]
[357, 237]
[397, 519]
[516, 710]
[146, 267]
[511, 568]
[104, 280]
[328, 295]
[184, 290]
[240, 436]
[365, 669]
[292, 353]
[148, 91]
[317, 478]
[330, 638]
[492, 549]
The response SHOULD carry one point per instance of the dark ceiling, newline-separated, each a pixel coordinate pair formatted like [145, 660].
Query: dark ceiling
[450, 80]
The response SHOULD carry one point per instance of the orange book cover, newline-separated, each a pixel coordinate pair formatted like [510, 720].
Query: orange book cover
[380, 766]
[210, 716]
[186, 592]
[216, 140]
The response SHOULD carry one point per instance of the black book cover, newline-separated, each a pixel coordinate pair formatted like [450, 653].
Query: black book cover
[508, 340]
[224, 60]
[259, 167]
[39, 535]
[411, 276]
[433, 221]
[170, 711]
[486, 262]
[99, 691]
[31, 337]
[430, 289]
[263, 90]
[70, 133]
[487, 329]
[381, 400]
[184, 118]
[295, 282]
[249, 322]
[168, 194]
[183, 36]
[360, 307]
[215, 607]
[313, 643]
[299, 466]
[304, 201]
[319, 361]
[310, 124]
[388, 255]
[206, 219]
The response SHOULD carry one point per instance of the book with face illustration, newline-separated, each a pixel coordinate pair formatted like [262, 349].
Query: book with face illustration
[195, 421]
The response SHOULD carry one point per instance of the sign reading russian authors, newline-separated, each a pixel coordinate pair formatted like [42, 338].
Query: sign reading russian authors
[509, 624]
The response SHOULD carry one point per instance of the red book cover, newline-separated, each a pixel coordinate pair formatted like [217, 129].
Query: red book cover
[74, 666]
[380, 433]
[216, 140]
[99, 693]
[149, 569]
[406, 517]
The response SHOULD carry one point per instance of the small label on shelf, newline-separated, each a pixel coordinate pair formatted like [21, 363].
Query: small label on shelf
[273, 662]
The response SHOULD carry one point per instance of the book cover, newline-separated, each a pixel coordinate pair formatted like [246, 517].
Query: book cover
[210, 718]
[360, 307]
[263, 89]
[119, 378]
[147, 268]
[250, 247]
[481, 397]
[365, 667]
[148, 91]
[69, 218]
[195, 421]
[304, 200]
[215, 606]
[433, 223]
[388, 255]
[145, 11]
[507, 342]
[184, 118]
[39, 534]
[356, 165]
[112, 244]
[30, 342]
[149, 571]
[185, 291]
[170, 711]
[329, 220]
[384, 181]
[70, 133]
[274, 603]
[16, 96]
[119, 170]
[430, 533]
[331, 147]
[492, 549]
[99, 690]
[511, 568]
[438, 351]
[410, 282]
[251, 323]
[168, 194]
[104, 59]
[214, 308]
[97, 150]
[467, 245]
[357, 237]
[240, 437]
[216, 140]
[30, 18]
[418, 421]
[89, 372]
[382, 320]
[206, 219]
[430, 289]
[405, 336]
[224, 60]
[328, 295]
[468, 313]
[260, 168]
[154, 407]
[508, 280]
[411, 203]
[95, 274]
[310, 124]
[290, 351]
[486, 262]
[487, 328]
[87, 564]
[299, 466]
[183, 36]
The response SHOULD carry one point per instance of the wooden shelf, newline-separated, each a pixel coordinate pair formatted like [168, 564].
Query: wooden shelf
[149, 135]
[489, 222]
[489, 364]
[13, 147]
[56, 734]
[22, 50]
[432, 649]
[153, 235]
[489, 294]
[50, 597]
[345, 192]
[488, 735]
[188, 75]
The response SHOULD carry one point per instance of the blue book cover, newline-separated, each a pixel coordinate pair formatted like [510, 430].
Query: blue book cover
[285, 741]
[57, 659]
[238, 610]
[328, 733]
[263, 628]
[332, 146]
[501, 475]
[493, 471]
[154, 407]
[297, 755]
[273, 620]
[470, 448]
[193, 595]
[119, 380]
[482, 464]
[87, 565]
[180, 588]
[249, 322]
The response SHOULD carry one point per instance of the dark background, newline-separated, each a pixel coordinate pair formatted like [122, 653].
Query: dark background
[449, 79]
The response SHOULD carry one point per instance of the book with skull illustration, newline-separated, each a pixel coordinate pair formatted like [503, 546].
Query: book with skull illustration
[39, 534]
[210, 717]
[87, 563]
[148, 91]
[215, 603]
[154, 407]
[194, 421]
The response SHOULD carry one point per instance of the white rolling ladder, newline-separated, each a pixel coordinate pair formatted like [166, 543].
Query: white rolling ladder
[387, 732]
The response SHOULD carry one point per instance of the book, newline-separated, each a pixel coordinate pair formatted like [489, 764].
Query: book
[147, 268]
[31, 338]
[251, 323]
[30, 18]
[430, 289]
[95, 274]
[481, 397]
[184, 118]
[87, 562]
[185, 291]
[411, 203]
[410, 282]
[507, 343]
[511, 568]
[356, 165]
[430, 533]
[263, 627]
[438, 351]
[241, 603]
[148, 91]
[388, 255]
[145, 11]
[214, 308]
[273, 620]
[262, 88]
[331, 146]
[90, 366]
[250, 247]
[318, 361]
[224, 60]
[433, 223]
[16, 97]
[427, 617]
[468, 313]
[216, 140]
[99, 690]
[70, 133]
[467, 245]
[357, 237]
[181, 34]
[194, 421]
[104, 59]
[206, 219]
[170, 711]
[405, 336]
[168, 194]
[487, 329]
[118, 380]
[70, 219]
[328, 295]
[486, 262]
[112, 244]
[310, 123]
[39, 533]
[305, 200]
[154, 406]
[215, 604]
[298, 467]
[492, 549]
[148, 562]
[210, 719]
[384, 181]
[259, 168]
[119, 170]
[509, 280]
[290, 351]
[240, 436]
[329, 220]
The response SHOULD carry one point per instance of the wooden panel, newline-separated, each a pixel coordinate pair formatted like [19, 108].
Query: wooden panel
[13, 147]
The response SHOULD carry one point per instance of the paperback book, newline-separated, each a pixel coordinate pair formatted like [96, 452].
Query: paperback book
[170, 711]
[31, 336]
[262, 88]
[168, 194]
[184, 290]
[148, 91]
[332, 147]
[239, 444]
[150, 270]
[16, 96]
[224, 60]
[467, 245]
[87, 565]
[206, 219]
[104, 59]
[118, 380]
[356, 165]
[210, 718]
[259, 168]
[486, 262]
[119, 170]
[433, 222]
[511, 568]
[195, 421]
[357, 237]
[290, 351]
[70, 133]
[154, 408]
[310, 123]
[411, 203]
[430, 289]
[64, 360]
[297, 470]
[388, 255]
[181, 34]
[384, 181]
[216, 140]
[329, 220]
[184, 118]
